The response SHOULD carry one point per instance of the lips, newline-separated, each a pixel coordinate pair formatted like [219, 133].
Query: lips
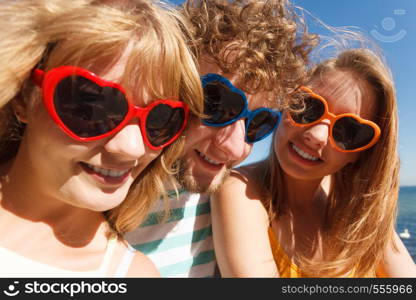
[106, 175]
[303, 156]
[209, 162]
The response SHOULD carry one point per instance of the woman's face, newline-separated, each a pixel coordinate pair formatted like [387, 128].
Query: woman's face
[95, 175]
[306, 152]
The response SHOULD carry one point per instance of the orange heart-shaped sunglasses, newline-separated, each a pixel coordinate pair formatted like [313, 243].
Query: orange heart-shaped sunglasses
[347, 132]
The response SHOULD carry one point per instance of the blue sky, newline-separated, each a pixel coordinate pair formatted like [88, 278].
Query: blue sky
[392, 25]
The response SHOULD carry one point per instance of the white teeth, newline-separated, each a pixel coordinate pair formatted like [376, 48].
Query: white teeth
[304, 154]
[209, 160]
[107, 172]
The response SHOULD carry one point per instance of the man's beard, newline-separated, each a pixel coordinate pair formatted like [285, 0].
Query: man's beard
[188, 181]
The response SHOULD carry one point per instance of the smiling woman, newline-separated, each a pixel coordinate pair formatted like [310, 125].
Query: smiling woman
[323, 204]
[95, 95]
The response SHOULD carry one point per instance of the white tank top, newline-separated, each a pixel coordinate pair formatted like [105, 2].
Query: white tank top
[15, 265]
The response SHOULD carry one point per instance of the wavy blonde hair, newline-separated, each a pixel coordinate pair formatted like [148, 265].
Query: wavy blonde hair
[362, 202]
[89, 32]
[268, 42]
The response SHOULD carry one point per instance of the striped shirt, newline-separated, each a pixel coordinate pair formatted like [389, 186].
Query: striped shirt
[182, 245]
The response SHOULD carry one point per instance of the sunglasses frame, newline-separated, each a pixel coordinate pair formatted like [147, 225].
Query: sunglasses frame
[333, 118]
[48, 81]
[245, 113]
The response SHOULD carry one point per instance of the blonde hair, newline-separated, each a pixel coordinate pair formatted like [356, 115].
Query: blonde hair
[86, 33]
[362, 201]
[264, 42]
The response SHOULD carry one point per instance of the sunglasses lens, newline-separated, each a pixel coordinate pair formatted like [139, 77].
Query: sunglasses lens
[311, 111]
[221, 104]
[350, 134]
[88, 109]
[261, 125]
[163, 123]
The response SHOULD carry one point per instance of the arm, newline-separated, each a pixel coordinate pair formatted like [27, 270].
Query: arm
[396, 263]
[240, 223]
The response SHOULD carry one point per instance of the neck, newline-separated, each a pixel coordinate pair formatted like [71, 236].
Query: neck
[306, 195]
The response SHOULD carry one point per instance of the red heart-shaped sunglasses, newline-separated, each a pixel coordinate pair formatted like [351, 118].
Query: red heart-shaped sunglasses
[89, 108]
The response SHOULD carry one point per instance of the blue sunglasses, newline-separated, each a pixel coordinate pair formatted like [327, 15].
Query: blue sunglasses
[226, 104]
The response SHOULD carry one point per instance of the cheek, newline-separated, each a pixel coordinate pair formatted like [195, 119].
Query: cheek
[246, 153]
[49, 146]
[39, 119]
[152, 155]
[146, 160]
[197, 135]
[248, 149]
[340, 160]
[285, 130]
[41, 131]
[352, 157]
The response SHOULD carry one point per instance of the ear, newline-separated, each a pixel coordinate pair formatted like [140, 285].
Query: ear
[20, 109]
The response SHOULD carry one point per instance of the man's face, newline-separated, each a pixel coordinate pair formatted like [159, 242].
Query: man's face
[210, 152]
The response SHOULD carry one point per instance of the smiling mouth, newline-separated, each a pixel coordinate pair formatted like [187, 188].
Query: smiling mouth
[106, 175]
[208, 160]
[305, 156]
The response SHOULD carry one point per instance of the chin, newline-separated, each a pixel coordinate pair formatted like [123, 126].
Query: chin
[215, 183]
[102, 205]
[196, 184]
[302, 174]
[97, 201]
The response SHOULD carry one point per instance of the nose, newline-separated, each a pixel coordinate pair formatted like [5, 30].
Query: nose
[230, 140]
[127, 143]
[317, 135]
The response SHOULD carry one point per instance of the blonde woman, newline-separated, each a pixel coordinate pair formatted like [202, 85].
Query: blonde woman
[94, 95]
[324, 202]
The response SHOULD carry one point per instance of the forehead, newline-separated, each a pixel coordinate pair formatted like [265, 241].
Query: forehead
[346, 93]
[256, 100]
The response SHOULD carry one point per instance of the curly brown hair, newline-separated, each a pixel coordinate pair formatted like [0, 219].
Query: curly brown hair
[269, 42]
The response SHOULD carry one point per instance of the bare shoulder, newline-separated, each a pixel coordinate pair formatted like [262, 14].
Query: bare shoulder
[242, 193]
[397, 261]
[129, 262]
[142, 266]
[245, 182]
[240, 224]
